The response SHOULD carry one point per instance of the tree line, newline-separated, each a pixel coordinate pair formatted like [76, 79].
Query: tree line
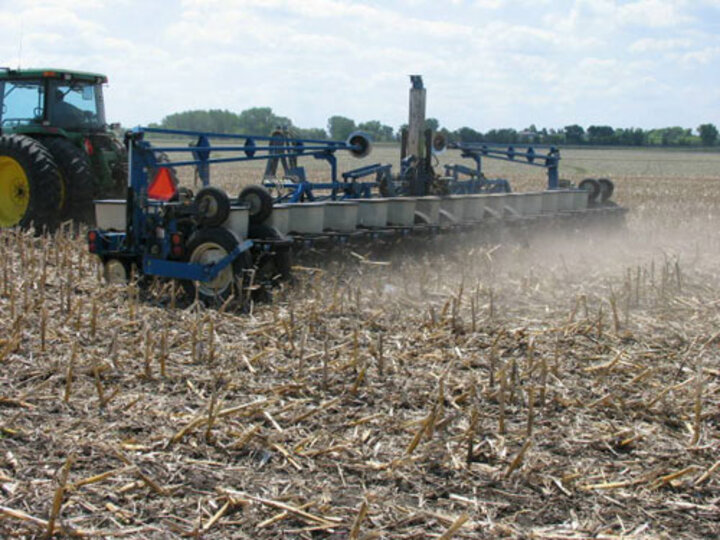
[262, 120]
[704, 135]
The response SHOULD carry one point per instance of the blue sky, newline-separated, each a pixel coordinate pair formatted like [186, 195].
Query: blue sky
[486, 63]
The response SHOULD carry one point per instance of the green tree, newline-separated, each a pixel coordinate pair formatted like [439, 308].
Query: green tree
[378, 131]
[601, 135]
[387, 133]
[318, 134]
[340, 127]
[432, 124]
[672, 136]
[466, 134]
[261, 121]
[574, 134]
[554, 136]
[708, 134]
[215, 120]
[630, 136]
[399, 132]
[502, 136]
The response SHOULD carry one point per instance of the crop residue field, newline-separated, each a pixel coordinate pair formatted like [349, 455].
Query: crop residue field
[563, 388]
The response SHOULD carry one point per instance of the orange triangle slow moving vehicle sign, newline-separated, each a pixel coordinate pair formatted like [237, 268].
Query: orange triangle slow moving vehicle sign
[163, 185]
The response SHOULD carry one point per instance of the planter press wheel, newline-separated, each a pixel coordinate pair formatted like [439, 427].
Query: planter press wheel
[122, 271]
[606, 189]
[209, 246]
[116, 271]
[213, 206]
[260, 202]
[593, 187]
[278, 266]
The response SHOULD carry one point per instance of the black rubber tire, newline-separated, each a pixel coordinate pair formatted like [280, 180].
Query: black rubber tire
[385, 183]
[43, 179]
[260, 201]
[593, 187]
[112, 276]
[362, 141]
[606, 189]
[119, 172]
[77, 176]
[110, 184]
[213, 206]
[218, 242]
[277, 267]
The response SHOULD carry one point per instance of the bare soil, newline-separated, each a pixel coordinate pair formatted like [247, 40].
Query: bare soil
[527, 384]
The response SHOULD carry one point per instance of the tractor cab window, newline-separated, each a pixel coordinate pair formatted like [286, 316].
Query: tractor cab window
[76, 105]
[21, 102]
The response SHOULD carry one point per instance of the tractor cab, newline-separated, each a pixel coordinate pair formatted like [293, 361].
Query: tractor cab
[46, 101]
[57, 152]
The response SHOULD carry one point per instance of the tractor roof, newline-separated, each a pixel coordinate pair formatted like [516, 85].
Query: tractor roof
[52, 73]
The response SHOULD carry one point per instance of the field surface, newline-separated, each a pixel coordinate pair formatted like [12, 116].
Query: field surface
[471, 387]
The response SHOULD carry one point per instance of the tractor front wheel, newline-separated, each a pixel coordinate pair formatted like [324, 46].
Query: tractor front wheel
[30, 185]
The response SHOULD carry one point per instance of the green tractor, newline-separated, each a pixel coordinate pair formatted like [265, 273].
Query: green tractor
[56, 152]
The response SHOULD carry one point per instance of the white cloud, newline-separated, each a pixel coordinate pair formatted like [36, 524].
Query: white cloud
[703, 56]
[486, 63]
[654, 13]
[659, 45]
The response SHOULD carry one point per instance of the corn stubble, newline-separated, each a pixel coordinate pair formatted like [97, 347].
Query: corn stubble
[567, 389]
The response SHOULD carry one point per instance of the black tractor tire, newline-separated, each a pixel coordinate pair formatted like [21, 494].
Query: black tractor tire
[210, 245]
[119, 172]
[29, 176]
[79, 182]
[276, 266]
[213, 206]
[260, 201]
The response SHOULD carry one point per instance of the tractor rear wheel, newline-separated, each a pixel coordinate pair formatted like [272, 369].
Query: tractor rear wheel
[118, 171]
[78, 181]
[209, 246]
[30, 185]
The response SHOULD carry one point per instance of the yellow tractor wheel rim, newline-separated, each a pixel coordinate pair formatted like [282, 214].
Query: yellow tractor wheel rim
[14, 192]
